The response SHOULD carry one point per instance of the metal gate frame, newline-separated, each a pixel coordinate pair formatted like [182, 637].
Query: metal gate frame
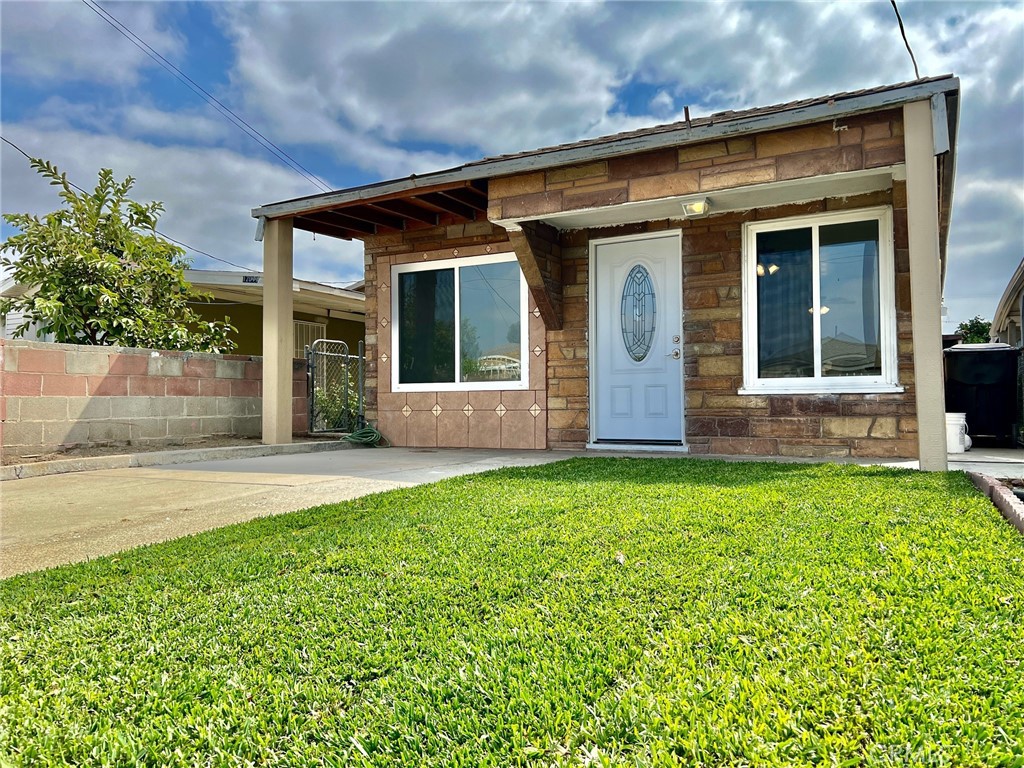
[335, 400]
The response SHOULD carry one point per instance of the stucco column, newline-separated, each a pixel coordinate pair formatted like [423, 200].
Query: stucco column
[925, 284]
[277, 332]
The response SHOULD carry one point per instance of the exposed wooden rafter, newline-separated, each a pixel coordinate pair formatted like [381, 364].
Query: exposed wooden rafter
[448, 204]
[322, 228]
[408, 211]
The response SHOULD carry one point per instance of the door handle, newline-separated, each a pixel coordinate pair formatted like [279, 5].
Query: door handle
[674, 354]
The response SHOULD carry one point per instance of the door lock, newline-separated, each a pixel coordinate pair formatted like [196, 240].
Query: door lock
[674, 354]
[675, 339]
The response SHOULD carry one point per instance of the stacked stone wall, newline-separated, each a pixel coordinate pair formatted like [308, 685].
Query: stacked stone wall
[514, 418]
[853, 144]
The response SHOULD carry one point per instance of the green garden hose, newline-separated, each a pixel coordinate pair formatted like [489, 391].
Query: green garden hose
[368, 436]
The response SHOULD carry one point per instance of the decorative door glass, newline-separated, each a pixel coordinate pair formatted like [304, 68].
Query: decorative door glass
[638, 313]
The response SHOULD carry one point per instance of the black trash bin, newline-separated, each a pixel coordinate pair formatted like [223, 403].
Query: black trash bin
[981, 381]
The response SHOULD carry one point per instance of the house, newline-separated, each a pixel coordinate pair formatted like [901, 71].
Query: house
[1006, 322]
[760, 282]
[320, 311]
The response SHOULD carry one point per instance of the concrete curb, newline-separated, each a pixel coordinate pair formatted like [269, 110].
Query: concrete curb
[155, 458]
[1009, 505]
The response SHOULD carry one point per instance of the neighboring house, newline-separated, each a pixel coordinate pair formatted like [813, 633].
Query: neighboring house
[762, 282]
[320, 311]
[1006, 322]
[10, 322]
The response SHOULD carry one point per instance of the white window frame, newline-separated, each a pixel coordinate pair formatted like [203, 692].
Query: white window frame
[888, 381]
[461, 386]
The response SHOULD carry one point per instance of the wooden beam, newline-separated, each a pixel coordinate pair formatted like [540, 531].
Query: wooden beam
[540, 257]
[407, 210]
[449, 205]
[311, 225]
[373, 216]
[466, 196]
[348, 222]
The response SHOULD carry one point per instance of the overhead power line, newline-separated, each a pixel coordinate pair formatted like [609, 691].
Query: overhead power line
[166, 237]
[906, 42]
[212, 100]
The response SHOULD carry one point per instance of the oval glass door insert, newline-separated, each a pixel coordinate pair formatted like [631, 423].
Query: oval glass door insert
[638, 313]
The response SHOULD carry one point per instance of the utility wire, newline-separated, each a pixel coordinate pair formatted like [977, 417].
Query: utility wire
[166, 237]
[906, 42]
[213, 101]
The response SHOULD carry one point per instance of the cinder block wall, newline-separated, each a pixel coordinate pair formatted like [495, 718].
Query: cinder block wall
[59, 396]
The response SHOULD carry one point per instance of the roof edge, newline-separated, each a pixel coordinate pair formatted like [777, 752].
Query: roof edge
[613, 147]
[1006, 301]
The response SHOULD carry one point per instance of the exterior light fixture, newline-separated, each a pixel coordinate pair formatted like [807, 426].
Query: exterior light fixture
[694, 209]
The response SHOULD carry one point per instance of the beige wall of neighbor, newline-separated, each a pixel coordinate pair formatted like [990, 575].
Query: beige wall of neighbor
[248, 319]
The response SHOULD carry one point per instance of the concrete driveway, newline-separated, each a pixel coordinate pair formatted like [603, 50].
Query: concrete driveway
[57, 519]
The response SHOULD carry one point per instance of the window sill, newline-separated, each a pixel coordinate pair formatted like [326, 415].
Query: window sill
[468, 386]
[817, 388]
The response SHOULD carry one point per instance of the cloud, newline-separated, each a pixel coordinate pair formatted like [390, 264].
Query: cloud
[78, 45]
[208, 194]
[363, 91]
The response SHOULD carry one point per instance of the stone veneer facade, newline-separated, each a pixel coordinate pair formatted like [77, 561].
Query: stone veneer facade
[555, 411]
[482, 419]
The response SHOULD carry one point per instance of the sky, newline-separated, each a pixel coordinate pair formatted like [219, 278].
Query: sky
[357, 92]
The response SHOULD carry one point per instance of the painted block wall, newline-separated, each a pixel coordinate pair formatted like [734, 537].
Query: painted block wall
[58, 396]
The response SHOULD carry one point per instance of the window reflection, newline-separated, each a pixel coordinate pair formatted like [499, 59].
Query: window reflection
[784, 294]
[850, 332]
[490, 328]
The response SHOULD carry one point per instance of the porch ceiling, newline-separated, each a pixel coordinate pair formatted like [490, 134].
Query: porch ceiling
[722, 201]
[453, 203]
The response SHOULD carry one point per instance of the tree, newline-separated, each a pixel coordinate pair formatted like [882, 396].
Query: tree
[100, 274]
[974, 331]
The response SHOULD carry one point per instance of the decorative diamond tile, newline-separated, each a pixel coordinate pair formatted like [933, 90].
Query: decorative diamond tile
[468, 410]
[536, 311]
[436, 410]
[500, 410]
[384, 357]
[406, 410]
[383, 286]
[383, 322]
[537, 351]
[534, 409]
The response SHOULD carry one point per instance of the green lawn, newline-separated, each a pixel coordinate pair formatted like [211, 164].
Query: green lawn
[590, 612]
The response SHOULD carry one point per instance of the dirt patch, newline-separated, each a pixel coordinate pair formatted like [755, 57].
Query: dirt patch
[120, 450]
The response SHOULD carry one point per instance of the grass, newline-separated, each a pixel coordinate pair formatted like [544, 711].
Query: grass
[590, 612]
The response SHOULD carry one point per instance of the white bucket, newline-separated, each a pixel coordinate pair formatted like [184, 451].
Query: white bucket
[957, 440]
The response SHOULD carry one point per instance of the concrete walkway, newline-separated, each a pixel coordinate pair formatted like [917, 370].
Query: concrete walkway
[52, 520]
[57, 519]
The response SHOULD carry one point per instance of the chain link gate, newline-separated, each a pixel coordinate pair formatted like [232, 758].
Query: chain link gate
[335, 387]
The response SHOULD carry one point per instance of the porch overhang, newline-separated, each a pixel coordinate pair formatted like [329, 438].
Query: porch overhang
[744, 198]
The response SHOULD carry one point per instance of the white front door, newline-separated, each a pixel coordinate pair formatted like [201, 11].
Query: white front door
[636, 344]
